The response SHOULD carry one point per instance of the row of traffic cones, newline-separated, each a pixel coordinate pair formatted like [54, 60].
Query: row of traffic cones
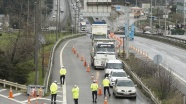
[88, 70]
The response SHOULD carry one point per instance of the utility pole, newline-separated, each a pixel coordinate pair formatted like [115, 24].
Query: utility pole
[151, 16]
[57, 18]
[37, 33]
[165, 18]
[127, 33]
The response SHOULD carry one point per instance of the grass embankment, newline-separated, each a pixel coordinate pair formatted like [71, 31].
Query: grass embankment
[50, 41]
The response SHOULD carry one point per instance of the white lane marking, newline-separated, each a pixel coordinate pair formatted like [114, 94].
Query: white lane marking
[61, 64]
[6, 97]
[176, 57]
[17, 94]
[39, 98]
[3, 90]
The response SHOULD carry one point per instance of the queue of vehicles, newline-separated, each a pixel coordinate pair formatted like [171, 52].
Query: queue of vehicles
[104, 56]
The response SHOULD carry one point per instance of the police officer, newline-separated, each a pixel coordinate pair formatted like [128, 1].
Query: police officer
[94, 87]
[106, 83]
[62, 74]
[53, 91]
[75, 93]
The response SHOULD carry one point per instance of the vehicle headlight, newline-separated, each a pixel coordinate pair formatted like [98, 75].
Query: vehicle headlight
[133, 90]
[112, 80]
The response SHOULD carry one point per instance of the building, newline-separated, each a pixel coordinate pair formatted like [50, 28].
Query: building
[137, 11]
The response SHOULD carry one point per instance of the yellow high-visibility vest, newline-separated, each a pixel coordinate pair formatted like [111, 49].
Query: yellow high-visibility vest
[53, 88]
[62, 71]
[75, 93]
[94, 86]
[106, 82]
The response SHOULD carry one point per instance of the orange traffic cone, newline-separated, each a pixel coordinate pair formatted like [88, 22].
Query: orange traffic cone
[34, 92]
[85, 63]
[88, 68]
[73, 49]
[100, 91]
[10, 93]
[105, 102]
[82, 58]
[92, 76]
[29, 100]
[40, 92]
[77, 55]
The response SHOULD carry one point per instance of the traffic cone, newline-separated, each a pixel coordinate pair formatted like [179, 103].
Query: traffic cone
[92, 76]
[10, 93]
[73, 49]
[82, 58]
[29, 100]
[40, 92]
[100, 91]
[88, 68]
[105, 102]
[77, 55]
[85, 63]
[34, 94]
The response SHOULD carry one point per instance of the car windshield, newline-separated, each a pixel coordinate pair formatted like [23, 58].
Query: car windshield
[119, 74]
[126, 83]
[115, 65]
[105, 48]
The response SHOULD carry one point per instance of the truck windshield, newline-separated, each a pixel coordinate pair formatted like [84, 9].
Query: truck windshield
[105, 48]
[115, 65]
[99, 36]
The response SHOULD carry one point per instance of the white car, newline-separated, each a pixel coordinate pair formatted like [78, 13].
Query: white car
[115, 74]
[124, 87]
[113, 65]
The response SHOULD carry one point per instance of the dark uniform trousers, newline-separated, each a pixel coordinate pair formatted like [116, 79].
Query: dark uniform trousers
[53, 98]
[106, 88]
[94, 93]
[62, 77]
[75, 101]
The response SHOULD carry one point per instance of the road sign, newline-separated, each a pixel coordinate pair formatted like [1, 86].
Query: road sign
[157, 59]
[118, 8]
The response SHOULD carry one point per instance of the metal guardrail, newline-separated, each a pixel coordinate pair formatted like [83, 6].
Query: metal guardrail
[145, 88]
[12, 84]
[50, 64]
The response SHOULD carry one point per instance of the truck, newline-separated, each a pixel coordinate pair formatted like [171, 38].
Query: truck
[99, 30]
[83, 26]
[102, 50]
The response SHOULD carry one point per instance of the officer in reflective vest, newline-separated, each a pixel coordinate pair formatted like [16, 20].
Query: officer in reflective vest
[53, 91]
[94, 88]
[75, 93]
[62, 74]
[106, 83]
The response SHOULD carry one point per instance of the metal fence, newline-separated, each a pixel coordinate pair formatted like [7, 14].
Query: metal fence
[14, 85]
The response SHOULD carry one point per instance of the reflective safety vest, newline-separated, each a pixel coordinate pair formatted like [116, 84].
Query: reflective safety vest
[62, 71]
[94, 86]
[75, 92]
[106, 82]
[53, 88]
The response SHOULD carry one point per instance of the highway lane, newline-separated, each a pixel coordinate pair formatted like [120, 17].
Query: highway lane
[173, 58]
[76, 74]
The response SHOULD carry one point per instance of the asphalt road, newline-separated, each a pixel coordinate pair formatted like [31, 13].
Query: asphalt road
[77, 75]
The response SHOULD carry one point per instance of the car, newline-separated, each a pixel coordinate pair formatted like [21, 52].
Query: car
[115, 74]
[124, 87]
[114, 64]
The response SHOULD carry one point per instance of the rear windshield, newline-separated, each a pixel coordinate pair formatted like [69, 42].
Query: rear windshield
[119, 74]
[115, 65]
[126, 83]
